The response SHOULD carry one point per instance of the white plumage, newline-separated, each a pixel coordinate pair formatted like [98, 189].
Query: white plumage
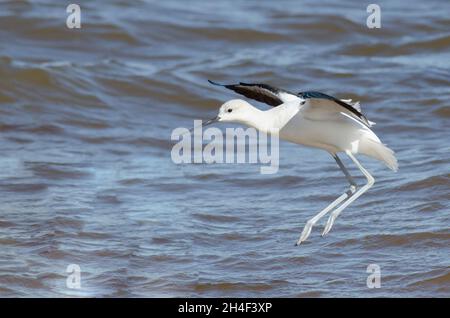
[316, 120]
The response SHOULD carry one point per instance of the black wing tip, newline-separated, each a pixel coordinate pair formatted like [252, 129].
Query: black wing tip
[240, 84]
[215, 83]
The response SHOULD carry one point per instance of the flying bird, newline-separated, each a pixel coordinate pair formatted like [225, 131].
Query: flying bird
[316, 120]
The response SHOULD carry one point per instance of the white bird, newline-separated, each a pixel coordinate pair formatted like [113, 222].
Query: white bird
[316, 120]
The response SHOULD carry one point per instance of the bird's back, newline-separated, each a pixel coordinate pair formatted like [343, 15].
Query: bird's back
[336, 132]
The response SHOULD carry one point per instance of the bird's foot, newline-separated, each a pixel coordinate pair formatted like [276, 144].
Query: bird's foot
[329, 224]
[306, 231]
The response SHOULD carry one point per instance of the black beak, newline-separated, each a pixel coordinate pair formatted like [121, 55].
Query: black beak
[211, 121]
[208, 122]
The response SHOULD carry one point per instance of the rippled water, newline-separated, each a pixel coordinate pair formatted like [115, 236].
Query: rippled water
[86, 176]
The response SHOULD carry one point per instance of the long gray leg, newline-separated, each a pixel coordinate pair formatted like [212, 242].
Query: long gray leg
[308, 227]
[352, 182]
[335, 213]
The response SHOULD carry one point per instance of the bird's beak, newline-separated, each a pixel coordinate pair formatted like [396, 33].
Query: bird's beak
[211, 121]
[208, 122]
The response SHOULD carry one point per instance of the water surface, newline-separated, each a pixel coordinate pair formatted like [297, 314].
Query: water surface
[86, 175]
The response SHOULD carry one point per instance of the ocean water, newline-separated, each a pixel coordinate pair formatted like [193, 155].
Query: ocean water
[86, 175]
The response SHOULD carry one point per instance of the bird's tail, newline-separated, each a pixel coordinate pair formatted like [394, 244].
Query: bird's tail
[376, 149]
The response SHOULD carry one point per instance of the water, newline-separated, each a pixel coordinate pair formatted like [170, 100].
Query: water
[86, 176]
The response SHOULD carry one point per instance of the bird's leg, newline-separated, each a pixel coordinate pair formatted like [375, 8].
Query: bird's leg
[350, 180]
[335, 213]
[345, 195]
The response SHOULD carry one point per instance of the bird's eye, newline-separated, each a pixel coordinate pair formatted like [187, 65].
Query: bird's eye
[230, 110]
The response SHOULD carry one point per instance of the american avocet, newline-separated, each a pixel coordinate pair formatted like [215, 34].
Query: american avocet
[316, 120]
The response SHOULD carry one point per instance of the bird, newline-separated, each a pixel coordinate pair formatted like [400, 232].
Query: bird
[311, 119]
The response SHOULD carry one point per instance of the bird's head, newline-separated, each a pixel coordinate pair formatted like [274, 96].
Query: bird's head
[236, 110]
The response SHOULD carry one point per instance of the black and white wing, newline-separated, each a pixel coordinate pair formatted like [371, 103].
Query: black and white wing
[262, 93]
[319, 103]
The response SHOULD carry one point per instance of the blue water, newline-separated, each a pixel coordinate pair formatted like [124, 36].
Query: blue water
[86, 175]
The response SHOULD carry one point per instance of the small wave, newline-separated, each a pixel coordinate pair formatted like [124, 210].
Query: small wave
[428, 183]
[132, 181]
[161, 240]
[6, 99]
[24, 187]
[98, 140]
[442, 111]
[8, 241]
[8, 127]
[430, 207]
[408, 239]
[42, 29]
[111, 253]
[150, 142]
[437, 43]
[21, 281]
[110, 199]
[116, 35]
[20, 140]
[45, 129]
[65, 221]
[215, 218]
[37, 77]
[278, 181]
[229, 287]
[234, 236]
[386, 49]
[206, 176]
[55, 171]
[6, 224]
[85, 123]
[413, 240]
[308, 294]
[327, 26]
[53, 253]
[235, 35]
[94, 235]
[438, 279]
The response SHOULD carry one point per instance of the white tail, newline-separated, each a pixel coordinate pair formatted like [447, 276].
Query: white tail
[377, 150]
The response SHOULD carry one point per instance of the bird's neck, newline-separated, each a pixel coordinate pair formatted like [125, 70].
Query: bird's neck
[259, 119]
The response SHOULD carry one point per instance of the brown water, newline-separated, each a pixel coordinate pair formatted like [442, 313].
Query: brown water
[86, 175]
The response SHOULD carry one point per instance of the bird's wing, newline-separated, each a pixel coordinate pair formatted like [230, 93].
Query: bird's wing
[262, 93]
[319, 104]
[355, 105]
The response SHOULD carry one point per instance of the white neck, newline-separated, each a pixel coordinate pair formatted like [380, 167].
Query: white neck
[259, 119]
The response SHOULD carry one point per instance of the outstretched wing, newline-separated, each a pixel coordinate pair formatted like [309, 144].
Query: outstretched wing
[262, 93]
[319, 104]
